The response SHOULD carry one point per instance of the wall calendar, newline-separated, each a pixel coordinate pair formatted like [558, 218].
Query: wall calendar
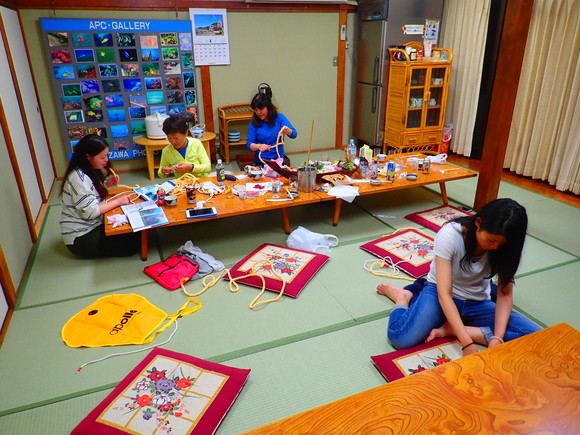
[210, 36]
[108, 75]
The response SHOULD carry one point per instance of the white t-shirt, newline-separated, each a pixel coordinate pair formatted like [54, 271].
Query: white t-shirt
[467, 285]
[80, 207]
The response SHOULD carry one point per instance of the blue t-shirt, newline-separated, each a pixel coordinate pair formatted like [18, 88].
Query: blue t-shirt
[264, 134]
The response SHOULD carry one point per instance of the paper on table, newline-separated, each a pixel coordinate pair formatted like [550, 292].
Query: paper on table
[259, 188]
[347, 193]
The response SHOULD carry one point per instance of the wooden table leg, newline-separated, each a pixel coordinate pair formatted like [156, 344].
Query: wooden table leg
[285, 220]
[149, 152]
[444, 193]
[144, 244]
[337, 206]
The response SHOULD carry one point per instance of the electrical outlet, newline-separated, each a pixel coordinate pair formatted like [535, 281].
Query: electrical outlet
[335, 61]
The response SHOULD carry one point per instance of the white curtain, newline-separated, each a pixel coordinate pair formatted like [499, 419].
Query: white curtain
[464, 31]
[544, 139]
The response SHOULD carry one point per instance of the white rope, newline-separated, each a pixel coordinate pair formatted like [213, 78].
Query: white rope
[130, 193]
[130, 352]
[387, 262]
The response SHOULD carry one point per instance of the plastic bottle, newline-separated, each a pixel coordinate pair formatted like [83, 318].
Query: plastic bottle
[374, 170]
[351, 151]
[220, 173]
[160, 196]
[364, 166]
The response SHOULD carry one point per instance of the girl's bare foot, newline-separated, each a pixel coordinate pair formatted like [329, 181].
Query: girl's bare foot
[443, 331]
[398, 295]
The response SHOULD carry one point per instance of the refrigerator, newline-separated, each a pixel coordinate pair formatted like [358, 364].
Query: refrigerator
[380, 26]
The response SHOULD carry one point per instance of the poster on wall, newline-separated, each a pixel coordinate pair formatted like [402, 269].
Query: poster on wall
[210, 36]
[108, 75]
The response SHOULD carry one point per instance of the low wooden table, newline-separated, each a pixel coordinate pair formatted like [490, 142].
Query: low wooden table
[152, 145]
[228, 206]
[528, 385]
[438, 174]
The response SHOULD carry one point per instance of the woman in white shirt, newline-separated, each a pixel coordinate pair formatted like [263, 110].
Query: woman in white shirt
[83, 201]
[456, 299]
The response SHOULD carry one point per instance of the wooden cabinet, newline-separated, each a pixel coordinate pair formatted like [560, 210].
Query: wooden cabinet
[416, 101]
[227, 115]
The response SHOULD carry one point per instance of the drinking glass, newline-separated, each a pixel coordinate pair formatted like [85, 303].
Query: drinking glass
[276, 188]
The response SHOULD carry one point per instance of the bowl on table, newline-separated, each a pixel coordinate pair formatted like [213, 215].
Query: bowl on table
[171, 200]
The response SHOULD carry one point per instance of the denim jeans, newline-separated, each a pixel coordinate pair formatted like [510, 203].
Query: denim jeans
[409, 326]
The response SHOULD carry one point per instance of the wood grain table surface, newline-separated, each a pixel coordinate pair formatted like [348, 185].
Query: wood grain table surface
[528, 385]
[231, 205]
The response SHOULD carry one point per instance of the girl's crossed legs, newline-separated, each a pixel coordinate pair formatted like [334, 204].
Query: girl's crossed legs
[416, 319]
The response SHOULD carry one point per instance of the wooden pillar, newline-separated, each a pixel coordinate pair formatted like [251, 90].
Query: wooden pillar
[340, 79]
[505, 86]
[208, 106]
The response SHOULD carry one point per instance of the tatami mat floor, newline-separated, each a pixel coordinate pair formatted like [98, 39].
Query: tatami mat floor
[303, 352]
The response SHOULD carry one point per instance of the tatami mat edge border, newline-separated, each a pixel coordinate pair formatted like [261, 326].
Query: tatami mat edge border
[32, 259]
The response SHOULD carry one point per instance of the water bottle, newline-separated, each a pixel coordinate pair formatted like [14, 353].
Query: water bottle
[374, 170]
[220, 173]
[351, 151]
[364, 167]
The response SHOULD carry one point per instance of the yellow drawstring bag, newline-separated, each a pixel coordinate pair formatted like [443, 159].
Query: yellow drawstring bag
[120, 319]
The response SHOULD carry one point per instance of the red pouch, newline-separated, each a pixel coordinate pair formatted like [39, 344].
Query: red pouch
[171, 272]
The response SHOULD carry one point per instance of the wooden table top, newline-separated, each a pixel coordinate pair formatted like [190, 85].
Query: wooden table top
[227, 205]
[450, 173]
[231, 205]
[528, 385]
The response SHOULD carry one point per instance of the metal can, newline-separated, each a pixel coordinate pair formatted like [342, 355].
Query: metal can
[190, 193]
[391, 168]
[426, 166]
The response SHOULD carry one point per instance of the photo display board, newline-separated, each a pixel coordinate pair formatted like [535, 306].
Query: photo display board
[108, 75]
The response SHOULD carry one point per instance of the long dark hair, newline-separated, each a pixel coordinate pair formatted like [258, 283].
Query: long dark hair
[91, 144]
[504, 217]
[260, 101]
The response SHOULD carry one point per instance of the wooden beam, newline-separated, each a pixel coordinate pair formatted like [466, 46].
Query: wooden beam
[340, 79]
[9, 293]
[179, 5]
[509, 65]
[208, 106]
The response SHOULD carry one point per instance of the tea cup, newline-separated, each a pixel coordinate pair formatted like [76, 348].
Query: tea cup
[171, 200]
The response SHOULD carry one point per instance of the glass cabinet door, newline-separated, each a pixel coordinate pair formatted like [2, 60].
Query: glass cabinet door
[416, 98]
[435, 95]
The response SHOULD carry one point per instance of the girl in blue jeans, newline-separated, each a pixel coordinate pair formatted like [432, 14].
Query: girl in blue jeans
[455, 300]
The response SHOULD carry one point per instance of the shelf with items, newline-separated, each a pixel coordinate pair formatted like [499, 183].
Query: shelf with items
[226, 115]
[416, 100]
